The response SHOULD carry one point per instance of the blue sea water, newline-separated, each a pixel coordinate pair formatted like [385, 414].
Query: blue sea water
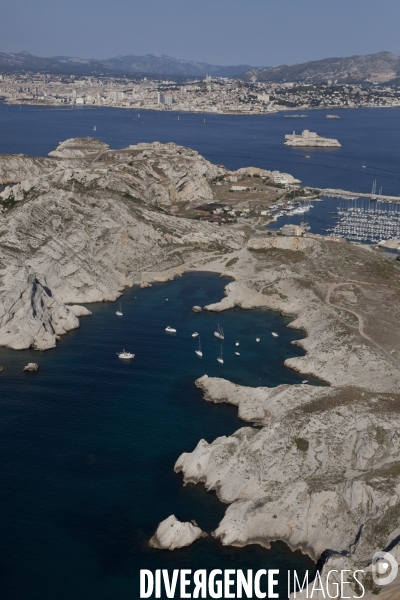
[88, 443]
[368, 136]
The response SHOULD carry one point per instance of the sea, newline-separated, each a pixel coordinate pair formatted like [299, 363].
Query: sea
[88, 443]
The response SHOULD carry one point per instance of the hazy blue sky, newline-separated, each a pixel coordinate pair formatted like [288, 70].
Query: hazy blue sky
[257, 32]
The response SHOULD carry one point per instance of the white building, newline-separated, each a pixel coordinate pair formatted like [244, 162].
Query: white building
[240, 188]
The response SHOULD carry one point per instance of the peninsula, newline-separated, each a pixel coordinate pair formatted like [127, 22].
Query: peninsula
[310, 139]
[321, 471]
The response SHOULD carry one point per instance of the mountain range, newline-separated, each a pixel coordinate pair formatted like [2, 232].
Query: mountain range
[149, 64]
[381, 67]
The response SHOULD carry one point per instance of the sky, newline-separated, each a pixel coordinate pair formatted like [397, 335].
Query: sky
[224, 32]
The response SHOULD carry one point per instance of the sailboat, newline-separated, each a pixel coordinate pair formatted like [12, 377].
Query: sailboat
[198, 351]
[119, 312]
[373, 193]
[94, 127]
[220, 333]
[220, 359]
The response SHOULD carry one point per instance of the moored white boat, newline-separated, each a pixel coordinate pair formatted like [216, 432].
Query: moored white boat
[220, 359]
[198, 351]
[257, 339]
[170, 329]
[125, 355]
[219, 333]
[274, 334]
[237, 353]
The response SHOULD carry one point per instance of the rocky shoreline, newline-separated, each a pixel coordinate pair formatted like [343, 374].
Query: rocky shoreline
[320, 467]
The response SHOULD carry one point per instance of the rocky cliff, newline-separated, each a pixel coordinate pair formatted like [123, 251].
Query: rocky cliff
[81, 225]
[321, 469]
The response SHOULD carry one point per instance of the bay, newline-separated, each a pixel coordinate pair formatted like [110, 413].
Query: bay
[88, 443]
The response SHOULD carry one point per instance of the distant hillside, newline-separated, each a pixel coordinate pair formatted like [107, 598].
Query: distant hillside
[165, 65]
[149, 64]
[378, 68]
[24, 61]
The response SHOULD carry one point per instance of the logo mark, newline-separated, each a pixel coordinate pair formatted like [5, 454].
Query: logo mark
[384, 568]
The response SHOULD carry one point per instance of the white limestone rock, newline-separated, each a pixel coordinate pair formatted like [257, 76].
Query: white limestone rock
[80, 311]
[31, 367]
[172, 534]
[85, 230]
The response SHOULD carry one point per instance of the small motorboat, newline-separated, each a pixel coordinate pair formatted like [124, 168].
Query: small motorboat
[219, 333]
[305, 381]
[237, 353]
[257, 339]
[275, 334]
[237, 344]
[119, 312]
[170, 329]
[125, 355]
[195, 334]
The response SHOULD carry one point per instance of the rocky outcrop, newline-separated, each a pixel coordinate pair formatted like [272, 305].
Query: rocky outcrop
[80, 311]
[258, 405]
[172, 534]
[283, 243]
[310, 139]
[87, 226]
[324, 472]
[31, 367]
[15, 168]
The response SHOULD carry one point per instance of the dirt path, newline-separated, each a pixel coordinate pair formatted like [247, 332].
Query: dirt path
[360, 320]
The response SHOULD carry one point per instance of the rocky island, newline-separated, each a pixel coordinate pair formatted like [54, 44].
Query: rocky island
[315, 466]
[310, 139]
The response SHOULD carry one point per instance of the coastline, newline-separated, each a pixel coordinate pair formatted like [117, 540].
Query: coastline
[281, 481]
[194, 112]
[264, 408]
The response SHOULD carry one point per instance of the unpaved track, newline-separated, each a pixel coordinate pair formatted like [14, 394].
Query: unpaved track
[360, 320]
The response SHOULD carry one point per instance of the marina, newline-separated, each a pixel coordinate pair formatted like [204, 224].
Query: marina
[340, 216]
[373, 225]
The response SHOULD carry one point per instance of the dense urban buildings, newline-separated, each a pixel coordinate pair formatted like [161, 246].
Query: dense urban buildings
[215, 95]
